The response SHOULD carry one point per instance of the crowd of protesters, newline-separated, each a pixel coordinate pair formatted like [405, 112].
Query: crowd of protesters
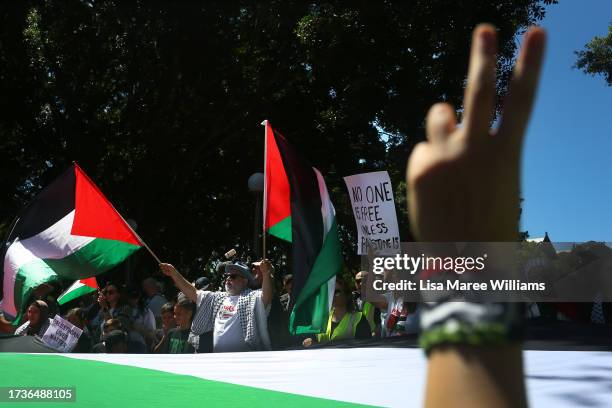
[198, 318]
[464, 340]
[241, 312]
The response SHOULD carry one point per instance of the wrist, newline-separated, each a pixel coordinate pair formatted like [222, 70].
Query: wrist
[454, 323]
[174, 275]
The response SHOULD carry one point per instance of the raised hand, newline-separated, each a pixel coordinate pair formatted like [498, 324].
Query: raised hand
[167, 269]
[463, 182]
[102, 301]
[266, 267]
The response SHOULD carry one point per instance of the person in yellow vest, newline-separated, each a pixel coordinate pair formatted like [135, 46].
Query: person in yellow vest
[370, 312]
[344, 321]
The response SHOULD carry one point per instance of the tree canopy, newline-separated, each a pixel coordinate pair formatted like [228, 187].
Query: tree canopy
[596, 58]
[161, 102]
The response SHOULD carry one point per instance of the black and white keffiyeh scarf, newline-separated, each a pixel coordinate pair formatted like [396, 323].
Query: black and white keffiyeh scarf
[247, 311]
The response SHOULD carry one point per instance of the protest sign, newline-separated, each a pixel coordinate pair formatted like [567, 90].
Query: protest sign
[62, 335]
[374, 210]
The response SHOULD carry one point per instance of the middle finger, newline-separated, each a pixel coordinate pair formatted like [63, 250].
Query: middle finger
[480, 89]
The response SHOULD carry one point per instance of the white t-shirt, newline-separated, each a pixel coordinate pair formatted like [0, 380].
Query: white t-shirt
[228, 335]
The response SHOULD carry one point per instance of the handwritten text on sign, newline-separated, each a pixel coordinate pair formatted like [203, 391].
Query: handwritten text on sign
[62, 335]
[374, 210]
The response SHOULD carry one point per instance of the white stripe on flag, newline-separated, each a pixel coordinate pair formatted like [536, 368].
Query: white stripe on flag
[328, 213]
[53, 243]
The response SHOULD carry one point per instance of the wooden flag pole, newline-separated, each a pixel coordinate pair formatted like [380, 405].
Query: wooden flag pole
[265, 195]
[8, 237]
[148, 249]
[144, 244]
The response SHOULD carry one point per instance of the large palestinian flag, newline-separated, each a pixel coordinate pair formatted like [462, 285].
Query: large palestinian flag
[70, 230]
[297, 209]
[254, 380]
[332, 377]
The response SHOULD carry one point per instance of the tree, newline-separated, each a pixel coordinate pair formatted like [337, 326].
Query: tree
[596, 58]
[160, 102]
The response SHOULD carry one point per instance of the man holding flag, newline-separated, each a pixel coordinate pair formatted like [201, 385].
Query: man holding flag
[238, 316]
[297, 209]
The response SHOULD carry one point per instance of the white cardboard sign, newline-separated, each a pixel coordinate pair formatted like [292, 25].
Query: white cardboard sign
[62, 335]
[374, 210]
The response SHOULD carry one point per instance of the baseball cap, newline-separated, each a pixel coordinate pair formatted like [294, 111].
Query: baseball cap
[240, 269]
[201, 282]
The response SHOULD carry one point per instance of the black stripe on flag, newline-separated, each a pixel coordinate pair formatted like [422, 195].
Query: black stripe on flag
[306, 218]
[48, 207]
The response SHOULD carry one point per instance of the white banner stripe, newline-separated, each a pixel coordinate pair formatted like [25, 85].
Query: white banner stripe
[390, 377]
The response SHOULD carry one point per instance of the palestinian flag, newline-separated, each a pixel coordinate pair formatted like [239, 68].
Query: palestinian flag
[297, 209]
[253, 380]
[328, 377]
[78, 289]
[70, 230]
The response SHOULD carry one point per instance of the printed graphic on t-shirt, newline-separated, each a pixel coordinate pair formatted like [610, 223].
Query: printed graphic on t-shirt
[177, 345]
[228, 335]
[226, 311]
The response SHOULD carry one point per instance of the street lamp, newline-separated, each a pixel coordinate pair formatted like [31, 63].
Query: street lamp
[256, 187]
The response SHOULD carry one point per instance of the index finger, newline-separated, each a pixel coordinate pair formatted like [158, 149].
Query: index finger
[521, 94]
[480, 89]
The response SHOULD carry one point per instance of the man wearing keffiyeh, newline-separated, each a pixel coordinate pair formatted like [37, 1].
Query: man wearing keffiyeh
[238, 316]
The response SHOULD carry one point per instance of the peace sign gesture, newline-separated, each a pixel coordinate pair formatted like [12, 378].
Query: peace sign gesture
[463, 182]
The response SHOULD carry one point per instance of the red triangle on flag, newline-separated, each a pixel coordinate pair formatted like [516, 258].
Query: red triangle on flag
[277, 191]
[91, 282]
[95, 216]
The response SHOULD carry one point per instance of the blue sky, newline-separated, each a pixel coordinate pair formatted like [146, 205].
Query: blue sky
[567, 164]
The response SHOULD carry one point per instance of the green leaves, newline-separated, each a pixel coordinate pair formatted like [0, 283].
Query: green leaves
[596, 58]
[161, 102]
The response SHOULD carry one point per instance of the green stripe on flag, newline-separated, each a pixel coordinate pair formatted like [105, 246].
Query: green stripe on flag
[282, 229]
[96, 257]
[25, 282]
[100, 384]
[311, 309]
[73, 294]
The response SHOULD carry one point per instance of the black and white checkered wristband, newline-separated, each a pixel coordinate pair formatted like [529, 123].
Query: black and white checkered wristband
[448, 322]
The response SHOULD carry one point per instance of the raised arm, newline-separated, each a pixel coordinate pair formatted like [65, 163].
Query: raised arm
[179, 281]
[463, 185]
[267, 288]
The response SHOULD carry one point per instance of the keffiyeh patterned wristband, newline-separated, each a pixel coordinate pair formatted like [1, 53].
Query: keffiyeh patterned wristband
[451, 322]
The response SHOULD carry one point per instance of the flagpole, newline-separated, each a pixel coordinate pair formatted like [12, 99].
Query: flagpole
[149, 249]
[265, 192]
[8, 237]
[144, 244]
